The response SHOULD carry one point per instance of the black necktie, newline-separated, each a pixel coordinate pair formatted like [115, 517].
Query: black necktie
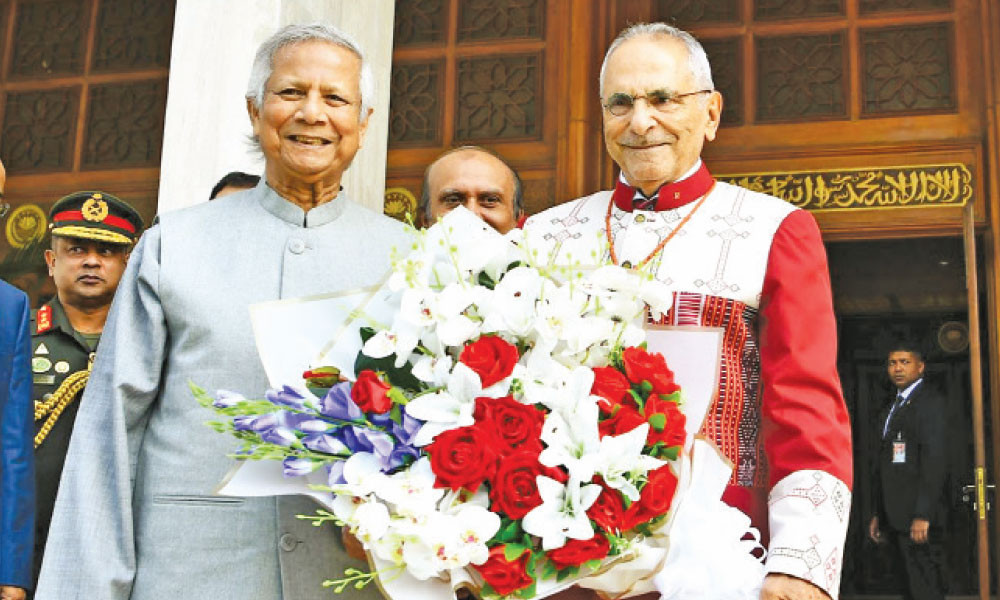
[892, 411]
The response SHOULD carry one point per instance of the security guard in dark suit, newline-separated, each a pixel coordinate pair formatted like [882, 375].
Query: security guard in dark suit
[92, 234]
[910, 506]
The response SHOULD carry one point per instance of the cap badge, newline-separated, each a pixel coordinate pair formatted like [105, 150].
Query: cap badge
[95, 209]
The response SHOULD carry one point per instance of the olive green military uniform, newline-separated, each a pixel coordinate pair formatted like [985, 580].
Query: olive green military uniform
[57, 351]
[61, 355]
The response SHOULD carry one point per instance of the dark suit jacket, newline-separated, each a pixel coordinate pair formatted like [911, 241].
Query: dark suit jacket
[17, 475]
[914, 488]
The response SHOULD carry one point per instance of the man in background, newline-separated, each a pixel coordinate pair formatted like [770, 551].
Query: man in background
[232, 182]
[477, 179]
[912, 464]
[92, 235]
[17, 481]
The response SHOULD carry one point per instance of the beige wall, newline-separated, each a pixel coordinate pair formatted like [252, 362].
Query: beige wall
[206, 124]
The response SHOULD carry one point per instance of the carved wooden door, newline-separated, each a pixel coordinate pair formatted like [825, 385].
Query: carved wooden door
[516, 76]
[83, 87]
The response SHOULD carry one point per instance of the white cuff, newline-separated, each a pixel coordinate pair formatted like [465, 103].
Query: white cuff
[808, 513]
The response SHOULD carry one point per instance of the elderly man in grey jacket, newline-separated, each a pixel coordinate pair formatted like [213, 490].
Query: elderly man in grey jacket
[136, 517]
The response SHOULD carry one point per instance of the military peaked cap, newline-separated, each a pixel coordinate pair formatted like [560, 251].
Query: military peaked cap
[95, 216]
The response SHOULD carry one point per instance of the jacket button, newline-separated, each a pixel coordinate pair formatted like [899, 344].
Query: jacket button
[287, 542]
[297, 246]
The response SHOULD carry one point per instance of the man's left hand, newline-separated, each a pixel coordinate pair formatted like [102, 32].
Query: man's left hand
[778, 586]
[918, 530]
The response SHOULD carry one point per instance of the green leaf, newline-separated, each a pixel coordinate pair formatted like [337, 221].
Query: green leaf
[647, 388]
[549, 570]
[658, 421]
[593, 565]
[528, 592]
[638, 399]
[671, 453]
[486, 281]
[567, 572]
[512, 552]
[509, 532]
[394, 413]
[366, 334]
[675, 397]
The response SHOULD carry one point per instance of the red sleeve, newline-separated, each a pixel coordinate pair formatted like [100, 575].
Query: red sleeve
[805, 421]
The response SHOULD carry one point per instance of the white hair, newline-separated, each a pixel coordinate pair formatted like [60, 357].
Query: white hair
[263, 62]
[701, 71]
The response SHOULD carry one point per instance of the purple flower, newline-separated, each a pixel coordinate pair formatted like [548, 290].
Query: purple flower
[227, 399]
[325, 443]
[406, 431]
[262, 423]
[286, 396]
[336, 473]
[296, 467]
[281, 436]
[314, 425]
[398, 456]
[244, 422]
[338, 404]
[362, 439]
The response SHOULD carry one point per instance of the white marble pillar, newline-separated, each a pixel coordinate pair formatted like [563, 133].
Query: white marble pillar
[206, 124]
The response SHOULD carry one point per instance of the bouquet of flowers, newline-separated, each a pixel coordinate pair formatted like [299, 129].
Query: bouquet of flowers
[507, 431]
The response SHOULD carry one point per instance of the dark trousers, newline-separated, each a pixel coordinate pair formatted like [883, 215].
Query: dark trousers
[920, 568]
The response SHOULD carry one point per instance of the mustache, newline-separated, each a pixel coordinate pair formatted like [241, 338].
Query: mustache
[640, 141]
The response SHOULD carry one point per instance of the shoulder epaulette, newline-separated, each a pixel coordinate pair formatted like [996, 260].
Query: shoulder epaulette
[43, 319]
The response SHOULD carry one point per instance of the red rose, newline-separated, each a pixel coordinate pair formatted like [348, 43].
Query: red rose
[517, 426]
[513, 489]
[607, 510]
[491, 358]
[642, 366]
[370, 393]
[655, 498]
[612, 387]
[463, 458]
[666, 422]
[505, 576]
[576, 552]
[623, 421]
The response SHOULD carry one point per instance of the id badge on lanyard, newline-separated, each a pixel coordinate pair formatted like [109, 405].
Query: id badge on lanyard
[899, 449]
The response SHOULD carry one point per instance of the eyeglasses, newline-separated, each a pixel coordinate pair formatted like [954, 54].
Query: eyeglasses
[620, 104]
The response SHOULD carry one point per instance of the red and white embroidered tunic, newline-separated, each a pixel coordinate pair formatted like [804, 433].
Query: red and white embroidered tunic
[755, 266]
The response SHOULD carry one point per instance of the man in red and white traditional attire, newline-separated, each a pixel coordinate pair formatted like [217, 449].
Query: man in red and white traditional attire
[751, 264]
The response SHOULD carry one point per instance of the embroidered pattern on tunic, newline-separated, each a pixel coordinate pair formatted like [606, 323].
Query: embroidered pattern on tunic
[733, 420]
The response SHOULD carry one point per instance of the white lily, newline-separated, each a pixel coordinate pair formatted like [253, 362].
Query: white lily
[562, 513]
[449, 408]
[510, 306]
[620, 461]
[572, 440]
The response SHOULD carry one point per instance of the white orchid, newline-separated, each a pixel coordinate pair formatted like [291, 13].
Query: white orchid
[562, 513]
[411, 491]
[622, 285]
[620, 460]
[450, 541]
[433, 370]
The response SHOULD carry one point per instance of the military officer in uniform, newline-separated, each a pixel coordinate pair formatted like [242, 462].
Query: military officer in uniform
[92, 235]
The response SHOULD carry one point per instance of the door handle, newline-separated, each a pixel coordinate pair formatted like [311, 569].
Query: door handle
[969, 495]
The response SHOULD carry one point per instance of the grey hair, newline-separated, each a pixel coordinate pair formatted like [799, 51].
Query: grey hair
[263, 62]
[425, 193]
[697, 59]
